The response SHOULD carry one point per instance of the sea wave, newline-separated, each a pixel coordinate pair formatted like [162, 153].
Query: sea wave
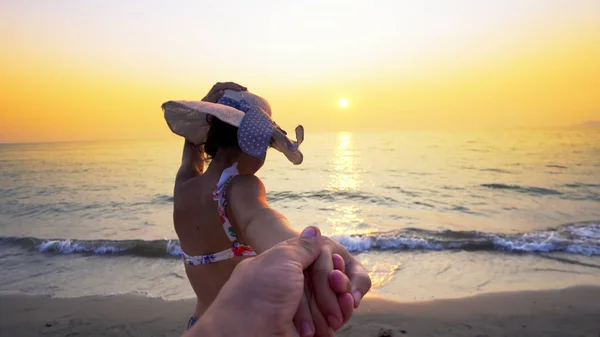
[532, 190]
[332, 196]
[580, 238]
[144, 248]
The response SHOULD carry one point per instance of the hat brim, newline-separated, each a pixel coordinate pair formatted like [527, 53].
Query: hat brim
[189, 119]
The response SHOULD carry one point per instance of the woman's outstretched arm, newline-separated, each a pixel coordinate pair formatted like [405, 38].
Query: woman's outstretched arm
[252, 218]
[262, 227]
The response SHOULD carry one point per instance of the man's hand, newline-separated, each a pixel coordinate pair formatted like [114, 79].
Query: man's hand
[263, 293]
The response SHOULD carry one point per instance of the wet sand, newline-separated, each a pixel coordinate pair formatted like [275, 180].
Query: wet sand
[568, 312]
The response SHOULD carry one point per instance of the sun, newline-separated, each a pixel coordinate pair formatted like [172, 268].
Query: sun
[343, 102]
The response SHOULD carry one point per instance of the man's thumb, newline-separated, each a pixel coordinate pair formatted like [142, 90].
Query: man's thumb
[307, 246]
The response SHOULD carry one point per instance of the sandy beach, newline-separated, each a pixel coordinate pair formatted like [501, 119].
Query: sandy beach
[568, 312]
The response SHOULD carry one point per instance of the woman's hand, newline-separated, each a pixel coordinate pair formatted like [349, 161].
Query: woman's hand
[337, 283]
[334, 285]
[217, 91]
[308, 318]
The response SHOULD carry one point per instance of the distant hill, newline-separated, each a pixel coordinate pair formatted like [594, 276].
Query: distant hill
[593, 124]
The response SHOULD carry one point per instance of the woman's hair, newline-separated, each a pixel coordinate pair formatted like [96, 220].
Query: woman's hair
[220, 136]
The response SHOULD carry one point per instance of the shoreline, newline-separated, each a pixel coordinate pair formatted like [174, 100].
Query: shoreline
[573, 311]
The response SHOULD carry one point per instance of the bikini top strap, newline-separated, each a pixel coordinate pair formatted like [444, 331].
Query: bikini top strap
[219, 193]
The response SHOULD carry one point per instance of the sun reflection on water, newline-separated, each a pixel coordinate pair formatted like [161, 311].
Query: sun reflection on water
[344, 179]
[345, 176]
[381, 273]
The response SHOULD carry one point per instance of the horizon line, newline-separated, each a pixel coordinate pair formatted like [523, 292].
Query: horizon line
[587, 124]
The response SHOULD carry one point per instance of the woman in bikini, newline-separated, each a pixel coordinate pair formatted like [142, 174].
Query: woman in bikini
[221, 215]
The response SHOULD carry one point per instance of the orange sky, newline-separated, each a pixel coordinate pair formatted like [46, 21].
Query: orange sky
[97, 70]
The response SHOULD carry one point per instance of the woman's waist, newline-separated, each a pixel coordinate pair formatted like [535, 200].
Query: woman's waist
[208, 279]
[211, 255]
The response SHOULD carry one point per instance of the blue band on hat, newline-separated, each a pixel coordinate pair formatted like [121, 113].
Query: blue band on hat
[255, 131]
[229, 102]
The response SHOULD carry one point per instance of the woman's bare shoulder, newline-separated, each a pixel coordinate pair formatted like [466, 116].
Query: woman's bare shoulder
[246, 195]
[189, 192]
[246, 185]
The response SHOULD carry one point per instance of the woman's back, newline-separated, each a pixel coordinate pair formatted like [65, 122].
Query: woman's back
[200, 230]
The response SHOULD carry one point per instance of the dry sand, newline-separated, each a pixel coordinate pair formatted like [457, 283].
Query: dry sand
[568, 312]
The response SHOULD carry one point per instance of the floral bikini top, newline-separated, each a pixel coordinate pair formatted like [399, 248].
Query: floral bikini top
[237, 249]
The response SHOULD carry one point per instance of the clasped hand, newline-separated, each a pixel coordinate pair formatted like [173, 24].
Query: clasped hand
[305, 286]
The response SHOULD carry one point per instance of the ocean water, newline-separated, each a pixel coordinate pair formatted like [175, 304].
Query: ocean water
[430, 214]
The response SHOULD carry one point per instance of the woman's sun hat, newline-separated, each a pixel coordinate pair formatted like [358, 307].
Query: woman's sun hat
[249, 112]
